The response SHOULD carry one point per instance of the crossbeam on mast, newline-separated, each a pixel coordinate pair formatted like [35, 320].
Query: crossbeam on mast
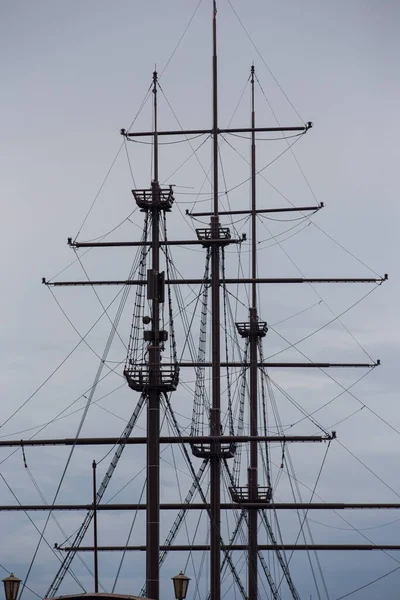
[240, 547]
[203, 506]
[161, 243]
[228, 281]
[218, 130]
[259, 211]
[284, 365]
[198, 439]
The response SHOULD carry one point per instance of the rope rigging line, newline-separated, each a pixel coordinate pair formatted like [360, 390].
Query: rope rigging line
[280, 555]
[181, 38]
[82, 338]
[186, 137]
[302, 218]
[199, 399]
[266, 571]
[227, 196]
[81, 532]
[193, 153]
[51, 548]
[368, 469]
[297, 314]
[277, 139]
[128, 158]
[266, 458]
[128, 539]
[172, 337]
[207, 178]
[260, 171]
[314, 195]
[201, 492]
[56, 417]
[8, 571]
[340, 516]
[187, 325]
[189, 139]
[189, 541]
[271, 583]
[113, 331]
[228, 372]
[56, 521]
[99, 191]
[295, 403]
[182, 513]
[344, 391]
[146, 97]
[188, 337]
[282, 559]
[263, 60]
[59, 367]
[305, 514]
[289, 465]
[339, 384]
[306, 217]
[298, 228]
[99, 299]
[336, 317]
[368, 584]
[244, 386]
[135, 351]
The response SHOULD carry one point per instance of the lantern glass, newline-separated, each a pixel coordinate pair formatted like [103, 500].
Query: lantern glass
[11, 587]
[181, 583]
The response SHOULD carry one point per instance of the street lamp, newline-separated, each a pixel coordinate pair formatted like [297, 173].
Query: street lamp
[11, 586]
[181, 583]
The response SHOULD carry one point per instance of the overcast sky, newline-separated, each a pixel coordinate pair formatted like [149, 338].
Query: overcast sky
[73, 73]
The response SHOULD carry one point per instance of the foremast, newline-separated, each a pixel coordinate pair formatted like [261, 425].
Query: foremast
[155, 294]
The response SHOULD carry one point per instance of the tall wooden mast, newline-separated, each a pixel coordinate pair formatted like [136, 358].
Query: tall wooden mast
[215, 417]
[253, 338]
[154, 393]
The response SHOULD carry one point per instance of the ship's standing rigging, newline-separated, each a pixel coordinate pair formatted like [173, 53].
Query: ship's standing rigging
[152, 370]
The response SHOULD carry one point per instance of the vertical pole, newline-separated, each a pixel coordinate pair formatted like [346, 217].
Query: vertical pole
[253, 196]
[96, 558]
[253, 468]
[215, 416]
[153, 400]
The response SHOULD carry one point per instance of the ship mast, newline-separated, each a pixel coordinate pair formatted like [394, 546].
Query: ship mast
[215, 416]
[253, 339]
[154, 393]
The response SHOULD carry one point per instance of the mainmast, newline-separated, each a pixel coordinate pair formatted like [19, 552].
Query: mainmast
[155, 293]
[215, 416]
[253, 339]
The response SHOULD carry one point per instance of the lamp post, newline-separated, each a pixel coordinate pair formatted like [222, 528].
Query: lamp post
[181, 583]
[11, 586]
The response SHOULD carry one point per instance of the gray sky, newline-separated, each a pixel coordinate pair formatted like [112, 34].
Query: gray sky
[73, 74]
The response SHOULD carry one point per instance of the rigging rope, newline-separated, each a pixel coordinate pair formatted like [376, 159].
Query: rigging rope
[114, 325]
[228, 377]
[202, 495]
[199, 399]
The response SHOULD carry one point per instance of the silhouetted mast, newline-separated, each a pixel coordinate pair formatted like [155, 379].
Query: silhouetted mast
[253, 467]
[155, 293]
[215, 416]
